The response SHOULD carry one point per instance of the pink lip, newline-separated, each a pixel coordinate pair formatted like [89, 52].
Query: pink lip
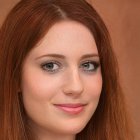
[71, 108]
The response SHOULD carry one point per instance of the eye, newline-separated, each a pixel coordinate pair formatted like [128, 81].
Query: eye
[51, 66]
[90, 66]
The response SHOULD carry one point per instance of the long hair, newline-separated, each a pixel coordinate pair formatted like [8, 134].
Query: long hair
[24, 27]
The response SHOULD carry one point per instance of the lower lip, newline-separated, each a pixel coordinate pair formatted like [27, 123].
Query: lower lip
[71, 110]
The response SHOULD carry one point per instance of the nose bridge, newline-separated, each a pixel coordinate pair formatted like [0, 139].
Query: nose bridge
[74, 83]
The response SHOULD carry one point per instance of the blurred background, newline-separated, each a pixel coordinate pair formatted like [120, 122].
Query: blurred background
[122, 18]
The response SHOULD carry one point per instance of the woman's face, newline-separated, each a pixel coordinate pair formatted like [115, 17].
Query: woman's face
[61, 80]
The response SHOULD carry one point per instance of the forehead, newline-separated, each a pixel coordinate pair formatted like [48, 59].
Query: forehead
[68, 27]
[65, 37]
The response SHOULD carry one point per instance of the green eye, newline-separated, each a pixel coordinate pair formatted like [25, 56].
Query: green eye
[90, 66]
[51, 66]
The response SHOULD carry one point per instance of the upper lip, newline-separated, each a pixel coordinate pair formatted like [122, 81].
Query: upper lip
[70, 105]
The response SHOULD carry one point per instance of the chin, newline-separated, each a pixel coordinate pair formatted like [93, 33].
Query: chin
[75, 129]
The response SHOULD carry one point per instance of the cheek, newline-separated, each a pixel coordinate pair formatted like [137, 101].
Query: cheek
[94, 84]
[38, 86]
[94, 88]
[37, 93]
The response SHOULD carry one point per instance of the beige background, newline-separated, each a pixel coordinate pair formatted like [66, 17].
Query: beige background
[122, 18]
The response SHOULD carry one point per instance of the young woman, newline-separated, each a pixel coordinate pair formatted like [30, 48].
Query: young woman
[59, 75]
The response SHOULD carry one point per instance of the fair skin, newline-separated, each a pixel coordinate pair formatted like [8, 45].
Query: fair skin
[62, 82]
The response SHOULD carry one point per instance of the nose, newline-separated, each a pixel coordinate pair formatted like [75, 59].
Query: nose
[73, 84]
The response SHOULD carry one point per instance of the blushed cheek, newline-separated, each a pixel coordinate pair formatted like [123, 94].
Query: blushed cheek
[96, 84]
[40, 90]
[95, 93]
[99, 83]
[95, 89]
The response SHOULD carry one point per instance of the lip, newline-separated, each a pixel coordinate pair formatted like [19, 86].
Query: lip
[71, 108]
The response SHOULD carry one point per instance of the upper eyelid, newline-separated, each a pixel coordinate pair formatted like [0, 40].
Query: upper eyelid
[63, 58]
[51, 61]
[60, 63]
[91, 61]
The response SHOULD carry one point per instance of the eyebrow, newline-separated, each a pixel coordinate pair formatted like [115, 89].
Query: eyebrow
[64, 57]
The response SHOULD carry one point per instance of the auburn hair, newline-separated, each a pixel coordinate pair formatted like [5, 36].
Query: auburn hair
[24, 27]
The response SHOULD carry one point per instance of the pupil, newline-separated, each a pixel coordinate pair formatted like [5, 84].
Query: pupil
[86, 65]
[50, 65]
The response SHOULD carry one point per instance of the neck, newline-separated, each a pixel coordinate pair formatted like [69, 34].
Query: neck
[55, 137]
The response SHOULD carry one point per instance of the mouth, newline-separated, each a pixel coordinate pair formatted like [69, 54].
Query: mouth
[71, 108]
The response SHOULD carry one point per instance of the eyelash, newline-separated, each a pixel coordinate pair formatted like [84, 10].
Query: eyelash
[94, 64]
[43, 66]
